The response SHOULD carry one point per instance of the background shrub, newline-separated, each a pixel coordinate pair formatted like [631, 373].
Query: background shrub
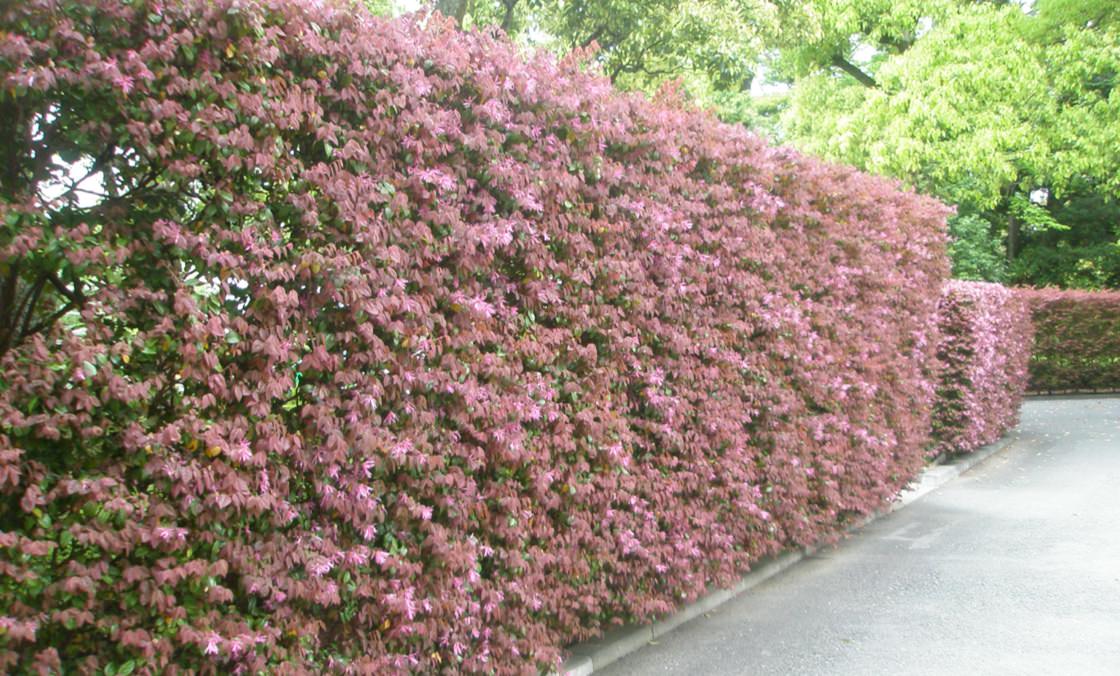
[984, 348]
[1077, 340]
[371, 346]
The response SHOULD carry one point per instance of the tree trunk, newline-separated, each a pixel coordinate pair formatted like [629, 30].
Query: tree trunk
[1012, 237]
[456, 9]
[507, 19]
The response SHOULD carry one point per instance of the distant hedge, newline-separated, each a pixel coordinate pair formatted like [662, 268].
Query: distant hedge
[986, 335]
[370, 346]
[1077, 340]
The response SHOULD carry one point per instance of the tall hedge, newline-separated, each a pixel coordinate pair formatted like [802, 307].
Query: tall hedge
[374, 346]
[1077, 340]
[984, 348]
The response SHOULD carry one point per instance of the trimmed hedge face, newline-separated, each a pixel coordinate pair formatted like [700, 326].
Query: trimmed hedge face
[1077, 340]
[985, 345]
[386, 349]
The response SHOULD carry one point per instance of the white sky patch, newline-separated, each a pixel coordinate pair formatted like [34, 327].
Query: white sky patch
[925, 24]
[864, 53]
[87, 189]
[762, 85]
[407, 6]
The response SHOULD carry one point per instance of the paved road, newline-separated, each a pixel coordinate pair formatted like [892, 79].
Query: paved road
[1013, 568]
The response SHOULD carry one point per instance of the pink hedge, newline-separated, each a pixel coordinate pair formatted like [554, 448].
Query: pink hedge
[381, 348]
[984, 348]
[1077, 341]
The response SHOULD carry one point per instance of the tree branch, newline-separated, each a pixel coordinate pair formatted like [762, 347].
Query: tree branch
[507, 19]
[853, 70]
[73, 295]
[9, 312]
[594, 37]
[46, 323]
[29, 309]
[637, 62]
[98, 164]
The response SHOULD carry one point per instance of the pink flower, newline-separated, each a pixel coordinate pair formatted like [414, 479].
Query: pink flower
[320, 567]
[437, 178]
[171, 534]
[528, 201]
[241, 452]
[358, 556]
[213, 641]
[481, 307]
[409, 604]
[123, 82]
[400, 450]
[240, 643]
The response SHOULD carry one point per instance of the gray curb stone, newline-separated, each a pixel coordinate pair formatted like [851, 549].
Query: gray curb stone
[585, 658]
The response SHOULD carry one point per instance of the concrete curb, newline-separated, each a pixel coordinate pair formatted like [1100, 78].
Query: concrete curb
[585, 658]
[1072, 394]
[936, 476]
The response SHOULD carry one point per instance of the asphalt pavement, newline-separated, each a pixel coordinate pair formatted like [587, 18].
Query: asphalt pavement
[1012, 568]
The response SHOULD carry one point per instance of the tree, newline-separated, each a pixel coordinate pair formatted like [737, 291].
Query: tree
[711, 47]
[829, 35]
[985, 104]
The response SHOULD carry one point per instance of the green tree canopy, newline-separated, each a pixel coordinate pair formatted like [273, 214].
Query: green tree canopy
[987, 102]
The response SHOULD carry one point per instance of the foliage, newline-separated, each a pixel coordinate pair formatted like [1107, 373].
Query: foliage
[1094, 266]
[829, 34]
[983, 105]
[709, 47]
[369, 346]
[1084, 253]
[985, 343]
[955, 114]
[643, 43]
[1077, 340]
[976, 255]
